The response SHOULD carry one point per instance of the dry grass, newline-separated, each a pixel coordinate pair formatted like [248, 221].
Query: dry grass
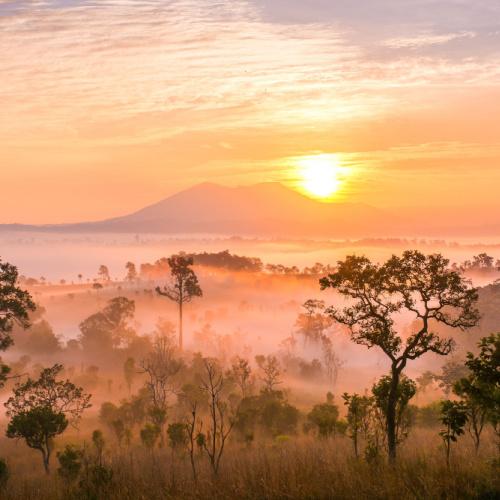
[299, 468]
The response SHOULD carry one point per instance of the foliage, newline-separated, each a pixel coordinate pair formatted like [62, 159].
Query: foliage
[184, 285]
[149, 435]
[15, 305]
[70, 463]
[405, 391]
[454, 417]
[358, 417]
[417, 284]
[324, 417]
[109, 328]
[177, 435]
[39, 410]
[38, 426]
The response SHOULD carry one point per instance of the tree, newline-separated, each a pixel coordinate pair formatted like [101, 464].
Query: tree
[130, 372]
[39, 410]
[131, 272]
[161, 367]
[324, 417]
[221, 421]
[482, 386]
[405, 391]
[70, 463]
[416, 284]
[454, 417]
[358, 415]
[184, 286]
[271, 370]
[241, 373]
[15, 305]
[149, 435]
[103, 273]
[109, 328]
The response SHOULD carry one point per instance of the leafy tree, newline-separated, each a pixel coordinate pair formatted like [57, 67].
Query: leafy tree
[108, 328]
[358, 414]
[103, 273]
[454, 417]
[416, 284]
[271, 371]
[177, 435]
[241, 374]
[15, 305]
[39, 410]
[183, 287]
[324, 417]
[482, 386]
[131, 272]
[149, 435]
[70, 463]
[451, 372]
[405, 391]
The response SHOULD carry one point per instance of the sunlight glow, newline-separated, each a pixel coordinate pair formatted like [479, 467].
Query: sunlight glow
[321, 175]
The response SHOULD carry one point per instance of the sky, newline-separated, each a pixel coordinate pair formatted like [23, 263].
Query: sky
[111, 105]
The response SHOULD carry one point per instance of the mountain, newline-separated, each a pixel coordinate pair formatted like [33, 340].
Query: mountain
[268, 209]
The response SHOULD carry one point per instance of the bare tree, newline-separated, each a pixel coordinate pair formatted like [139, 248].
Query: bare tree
[270, 367]
[161, 367]
[221, 415]
[184, 286]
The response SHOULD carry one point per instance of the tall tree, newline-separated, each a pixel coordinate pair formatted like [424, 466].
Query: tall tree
[41, 409]
[131, 272]
[103, 273]
[183, 287]
[109, 328]
[15, 305]
[421, 285]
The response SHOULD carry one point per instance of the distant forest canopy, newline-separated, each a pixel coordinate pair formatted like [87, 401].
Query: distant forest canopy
[481, 264]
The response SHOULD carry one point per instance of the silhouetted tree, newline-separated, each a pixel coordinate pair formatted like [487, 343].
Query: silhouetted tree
[131, 272]
[454, 417]
[39, 410]
[414, 283]
[15, 305]
[108, 328]
[271, 371]
[103, 273]
[482, 386]
[161, 367]
[358, 416]
[130, 372]
[183, 287]
[221, 417]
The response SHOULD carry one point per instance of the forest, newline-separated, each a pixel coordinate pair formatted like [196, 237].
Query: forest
[361, 380]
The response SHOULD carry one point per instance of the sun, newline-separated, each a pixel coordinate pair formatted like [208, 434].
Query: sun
[321, 175]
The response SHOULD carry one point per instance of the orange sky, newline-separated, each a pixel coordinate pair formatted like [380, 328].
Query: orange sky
[109, 108]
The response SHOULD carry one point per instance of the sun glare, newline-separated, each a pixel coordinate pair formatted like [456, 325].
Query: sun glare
[321, 175]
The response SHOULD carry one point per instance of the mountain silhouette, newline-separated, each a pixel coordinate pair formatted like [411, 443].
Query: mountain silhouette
[267, 209]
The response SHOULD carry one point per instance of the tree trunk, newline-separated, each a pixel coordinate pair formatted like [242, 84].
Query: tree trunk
[180, 326]
[46, 460]
[391, 416]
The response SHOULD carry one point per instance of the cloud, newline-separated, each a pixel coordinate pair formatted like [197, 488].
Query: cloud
[425, 40]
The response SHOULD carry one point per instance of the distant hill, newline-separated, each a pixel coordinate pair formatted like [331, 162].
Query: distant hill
[268, 209]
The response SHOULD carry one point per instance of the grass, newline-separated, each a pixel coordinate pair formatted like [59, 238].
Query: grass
[301, 467]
